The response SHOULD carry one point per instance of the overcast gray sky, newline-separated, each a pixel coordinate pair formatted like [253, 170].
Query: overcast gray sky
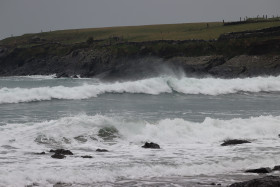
[30, 16]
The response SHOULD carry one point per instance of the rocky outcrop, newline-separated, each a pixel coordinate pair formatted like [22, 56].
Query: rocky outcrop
[42, 153]
[102, 150]
[151, 145]
[58, 156]
[259, 170]
[234, 142]
[268, 181]
[194, 58]
[247, 66]
[86, 156]
[61, 151]
[276, 168]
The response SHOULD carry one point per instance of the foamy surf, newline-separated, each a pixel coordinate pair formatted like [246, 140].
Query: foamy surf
[172, 131]
[153, 86]
[187, 149]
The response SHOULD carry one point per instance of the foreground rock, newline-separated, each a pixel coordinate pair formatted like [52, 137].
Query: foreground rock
[268, 181]
[86, 156]
[42, 153]
[259, 170]
[102, 150]
[276, 168]
[211, 184]
[61, 151]
[151, 145]
[234, 142]
[58, 156]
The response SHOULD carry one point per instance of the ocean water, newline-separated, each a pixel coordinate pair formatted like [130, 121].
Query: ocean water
[188, 117]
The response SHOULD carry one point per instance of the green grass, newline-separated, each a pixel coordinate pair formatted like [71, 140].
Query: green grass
[186, 31]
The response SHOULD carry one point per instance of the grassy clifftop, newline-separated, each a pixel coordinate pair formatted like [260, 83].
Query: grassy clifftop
[186, 31]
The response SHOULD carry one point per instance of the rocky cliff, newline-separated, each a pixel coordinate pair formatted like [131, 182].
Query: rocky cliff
[230, 56]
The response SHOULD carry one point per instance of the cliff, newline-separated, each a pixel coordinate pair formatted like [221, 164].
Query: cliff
[247, 53]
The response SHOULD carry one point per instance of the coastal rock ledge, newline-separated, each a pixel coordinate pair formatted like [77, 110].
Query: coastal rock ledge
[268, 181]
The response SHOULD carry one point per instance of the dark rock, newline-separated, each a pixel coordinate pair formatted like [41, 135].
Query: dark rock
[259, 170]
[42, 153]
[207, 184]
[75, 76]
[61, 151]
[58, 156]
[102, 150]
[268, 181]
[62, 184]
[86, 156]
[33, 184]
[234, 142]
[215, 184]
[108, 133]
[276, 168]
[151, 145]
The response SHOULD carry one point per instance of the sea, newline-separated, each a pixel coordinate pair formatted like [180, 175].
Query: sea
[189, 117]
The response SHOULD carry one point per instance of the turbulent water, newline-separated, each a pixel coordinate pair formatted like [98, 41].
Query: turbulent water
[188, 117]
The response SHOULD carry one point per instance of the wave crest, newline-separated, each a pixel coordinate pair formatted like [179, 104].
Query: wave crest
[153, 86]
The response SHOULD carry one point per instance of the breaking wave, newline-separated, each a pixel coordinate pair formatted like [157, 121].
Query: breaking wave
[187, 149]
[153, 86]
[83, 128]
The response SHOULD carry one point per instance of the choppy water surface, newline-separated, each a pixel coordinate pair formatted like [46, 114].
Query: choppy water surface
[188, 117]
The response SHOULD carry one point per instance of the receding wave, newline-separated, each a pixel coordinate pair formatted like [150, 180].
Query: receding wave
[154, 86]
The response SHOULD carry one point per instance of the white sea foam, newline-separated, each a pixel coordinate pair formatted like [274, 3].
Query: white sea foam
[187, 149]
[40, 77]
[166, 130]
[154, 86]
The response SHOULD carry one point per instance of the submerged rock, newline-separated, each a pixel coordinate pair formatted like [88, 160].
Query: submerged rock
[61, 151]
[58, 156]
[108, 133]
[42, 153]
[151, 145]
[268, 181]
[86, 156]
[62, 184]
[207, 184]
[102, 150]
[234, 142]
[259, 170]
[81, 138]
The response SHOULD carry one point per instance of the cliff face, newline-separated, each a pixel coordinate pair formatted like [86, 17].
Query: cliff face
[105, 66]
[230, 56]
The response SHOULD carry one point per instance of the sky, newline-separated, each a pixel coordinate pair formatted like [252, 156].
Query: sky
[18, 17]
